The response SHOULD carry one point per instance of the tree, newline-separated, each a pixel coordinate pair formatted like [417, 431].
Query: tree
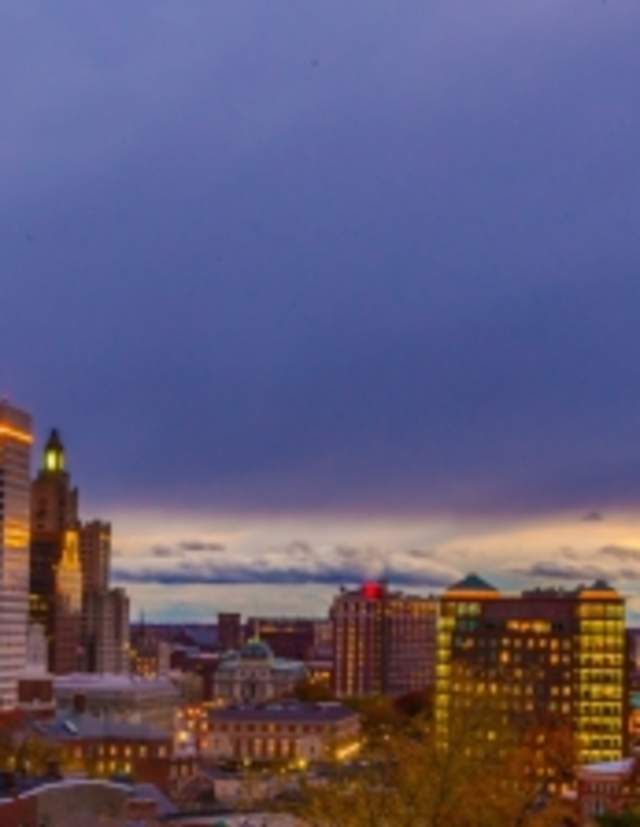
[313, 690]
[628, 819]
[36, 756]
[486, 775]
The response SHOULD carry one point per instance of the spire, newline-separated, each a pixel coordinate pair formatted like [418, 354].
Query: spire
[53, 459]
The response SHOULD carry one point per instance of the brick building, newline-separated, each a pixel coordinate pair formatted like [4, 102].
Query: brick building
[384, 641]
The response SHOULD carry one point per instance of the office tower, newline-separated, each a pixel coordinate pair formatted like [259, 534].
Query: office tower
[545, 657]
[67, 620]
[105, 611]
[230, 634]
[384, 642]
[56, 578]
[107, 631]
[15, 456]
[95, 556]
[288, 637]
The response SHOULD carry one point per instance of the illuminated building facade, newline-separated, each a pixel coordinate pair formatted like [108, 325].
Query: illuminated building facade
[384, 642]
[15, 455]
[55, 598]
[547, 655]
[283, 733]
[66, 642]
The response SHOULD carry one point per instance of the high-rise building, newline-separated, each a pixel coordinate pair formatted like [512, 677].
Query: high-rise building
[288, 637]
[66, 643]
[230, 631]
[384, 642]
[545, 657]
[106, 618]
[56, 577]
[15, 456]
[95, 555]
[105, 611]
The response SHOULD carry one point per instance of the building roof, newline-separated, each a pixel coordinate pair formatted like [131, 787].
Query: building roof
[54, 443]
[622, 767]
[78, 727]
[472, 583]
[149, 792]
[256, 649]
[285, 712]
[101, 684]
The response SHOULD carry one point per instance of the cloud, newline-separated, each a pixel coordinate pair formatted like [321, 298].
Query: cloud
[563, 571]
[584, 572]
[621, 552]
[421, 553]
[202, 545]
[422, 366]
[164, 551]
[298, 549]
[262, 571]
[593, 517]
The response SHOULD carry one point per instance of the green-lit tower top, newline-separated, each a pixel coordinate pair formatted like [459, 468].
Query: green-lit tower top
[53, 459]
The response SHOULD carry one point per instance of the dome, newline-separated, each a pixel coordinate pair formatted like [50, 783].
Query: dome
[256, 649]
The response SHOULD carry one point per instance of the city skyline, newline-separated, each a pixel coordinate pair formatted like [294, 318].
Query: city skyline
[174, 565]
[341, 311]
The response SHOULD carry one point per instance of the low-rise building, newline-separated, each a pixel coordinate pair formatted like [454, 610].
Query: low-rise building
[607, 787]
[104, 748]
[120, 697]
[81, 803]
[287, 732]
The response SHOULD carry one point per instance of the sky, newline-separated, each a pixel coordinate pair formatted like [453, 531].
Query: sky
[318, 292]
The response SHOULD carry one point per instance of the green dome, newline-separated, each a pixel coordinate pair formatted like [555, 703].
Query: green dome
[256, 649]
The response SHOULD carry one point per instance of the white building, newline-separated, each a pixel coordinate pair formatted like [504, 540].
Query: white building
[254, 676]
[119, 697]
[15, 456]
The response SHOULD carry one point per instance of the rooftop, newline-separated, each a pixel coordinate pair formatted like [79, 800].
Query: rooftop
[472, 583]
[75, 727]
[288, 712]
[97, 683]
[622, 767]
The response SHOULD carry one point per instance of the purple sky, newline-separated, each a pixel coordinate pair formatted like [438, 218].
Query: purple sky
[327, 259]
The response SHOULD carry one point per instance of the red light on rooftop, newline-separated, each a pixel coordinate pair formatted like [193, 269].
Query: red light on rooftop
[372, 590]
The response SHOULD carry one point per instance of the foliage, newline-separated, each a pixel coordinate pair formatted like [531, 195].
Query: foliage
[487, 776]
[628, 819]
[36, 756]
[313, 691]
[413, 704]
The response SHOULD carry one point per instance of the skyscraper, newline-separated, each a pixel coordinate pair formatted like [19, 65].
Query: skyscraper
[95, 554]
[56, 578]
[105, 611]
[384, 642]
[106, 631]
[547, 656]
[15, 455]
